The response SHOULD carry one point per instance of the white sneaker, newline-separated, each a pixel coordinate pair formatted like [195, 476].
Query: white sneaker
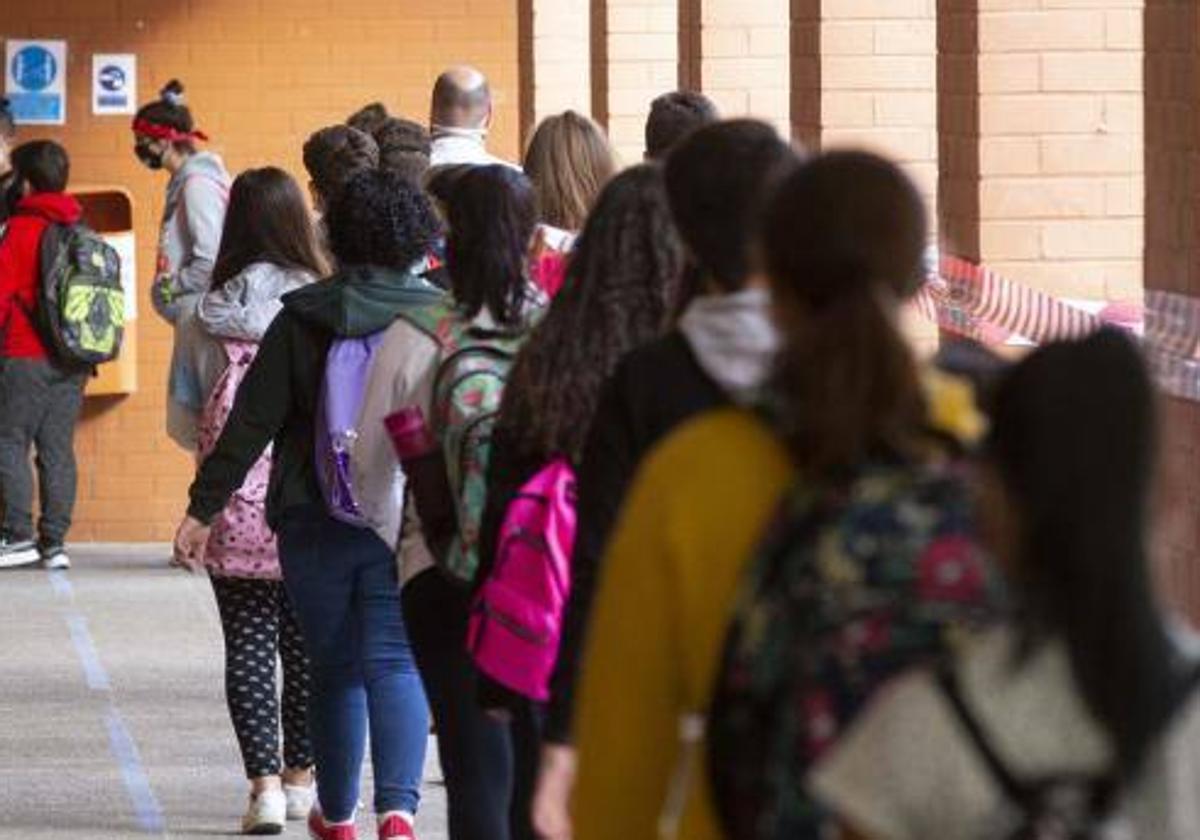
[56, 559]
[17, 553]
[267, 813]
[300, 800]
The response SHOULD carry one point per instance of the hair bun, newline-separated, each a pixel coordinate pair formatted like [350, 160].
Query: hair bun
[172, 93]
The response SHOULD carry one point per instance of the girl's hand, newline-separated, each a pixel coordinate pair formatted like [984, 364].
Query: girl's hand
[552, 799]
[190, 542]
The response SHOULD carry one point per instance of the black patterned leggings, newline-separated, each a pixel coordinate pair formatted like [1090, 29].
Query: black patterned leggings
[260, 627]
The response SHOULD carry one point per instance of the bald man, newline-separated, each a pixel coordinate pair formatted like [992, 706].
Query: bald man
[460, 115]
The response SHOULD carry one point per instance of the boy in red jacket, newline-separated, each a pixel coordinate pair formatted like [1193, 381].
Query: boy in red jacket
[39, 400]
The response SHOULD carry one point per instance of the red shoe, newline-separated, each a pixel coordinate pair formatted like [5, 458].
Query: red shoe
[393, 826]
[318, 829]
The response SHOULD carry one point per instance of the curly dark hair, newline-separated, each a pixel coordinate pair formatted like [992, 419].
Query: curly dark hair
[369, 117]
[404, 147]
[621, 287]
[336, 154]
[381, 218]
[492, 213]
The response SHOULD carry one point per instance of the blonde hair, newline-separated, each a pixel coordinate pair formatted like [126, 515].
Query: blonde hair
[569, 161]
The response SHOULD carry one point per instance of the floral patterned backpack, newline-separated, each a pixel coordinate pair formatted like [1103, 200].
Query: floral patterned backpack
[241, 544]
[473, 366]
[851, 587]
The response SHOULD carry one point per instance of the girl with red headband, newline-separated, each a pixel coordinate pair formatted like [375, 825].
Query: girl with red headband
[165, 137]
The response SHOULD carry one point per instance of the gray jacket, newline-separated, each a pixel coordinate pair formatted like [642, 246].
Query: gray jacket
[241, 309]
[190, 236]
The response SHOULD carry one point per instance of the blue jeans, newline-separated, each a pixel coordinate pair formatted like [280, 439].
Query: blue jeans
[343, 583]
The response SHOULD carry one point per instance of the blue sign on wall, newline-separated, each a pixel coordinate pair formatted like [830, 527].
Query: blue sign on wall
[35, 81]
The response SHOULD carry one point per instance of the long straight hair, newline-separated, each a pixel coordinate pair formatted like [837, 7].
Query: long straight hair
[844, 239]
[569, 161]
[621, 290]
[267, 221]
[491, 212]
[1073, 445]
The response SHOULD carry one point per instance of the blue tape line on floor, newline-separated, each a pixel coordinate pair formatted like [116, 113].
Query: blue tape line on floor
[124, 751]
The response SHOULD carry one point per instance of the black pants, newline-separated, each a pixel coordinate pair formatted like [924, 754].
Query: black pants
[39, 406]
[489, 772]
[260, 627]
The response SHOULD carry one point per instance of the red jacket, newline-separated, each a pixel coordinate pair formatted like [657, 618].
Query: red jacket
[20, 253]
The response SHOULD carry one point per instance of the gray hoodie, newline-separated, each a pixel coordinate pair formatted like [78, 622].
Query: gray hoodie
[241, 310]
[190, 237]
[734, 339]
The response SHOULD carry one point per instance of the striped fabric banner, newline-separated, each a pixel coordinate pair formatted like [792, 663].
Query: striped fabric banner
[975, 302]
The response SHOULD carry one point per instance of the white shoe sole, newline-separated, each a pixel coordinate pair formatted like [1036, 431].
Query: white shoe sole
[24, 557]
[57, 563]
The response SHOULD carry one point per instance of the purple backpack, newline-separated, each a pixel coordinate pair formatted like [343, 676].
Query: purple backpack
[516, 620]
[347, 368]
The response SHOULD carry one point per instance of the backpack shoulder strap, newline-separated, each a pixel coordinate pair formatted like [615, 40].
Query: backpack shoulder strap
[951, 689]
[437, 321]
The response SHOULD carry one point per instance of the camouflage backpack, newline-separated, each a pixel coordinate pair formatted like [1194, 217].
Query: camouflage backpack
[473, 366]
[80, 309]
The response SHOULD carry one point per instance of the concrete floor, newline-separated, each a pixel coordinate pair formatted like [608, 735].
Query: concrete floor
[112, 714]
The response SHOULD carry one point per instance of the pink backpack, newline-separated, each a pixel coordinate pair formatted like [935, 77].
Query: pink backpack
[241, 544]
[516, 620]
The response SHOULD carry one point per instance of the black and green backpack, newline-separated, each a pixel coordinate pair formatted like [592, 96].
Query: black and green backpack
[80, 308]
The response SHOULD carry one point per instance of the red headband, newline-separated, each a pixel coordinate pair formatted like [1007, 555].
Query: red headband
[157, 131]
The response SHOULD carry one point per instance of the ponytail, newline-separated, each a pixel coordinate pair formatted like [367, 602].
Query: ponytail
[844, 238]
[846, 385]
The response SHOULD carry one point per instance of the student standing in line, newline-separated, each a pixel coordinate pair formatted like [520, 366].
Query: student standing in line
[341, 577]
[569, 160]
[332, 157]
[268, 248]
[621, 289]
[843, 241]
[403, 147]
[460, 116]
[1090, 684]
[720, 351]
[165, 137]
[39, 399]
[492, 306]
[673, 116]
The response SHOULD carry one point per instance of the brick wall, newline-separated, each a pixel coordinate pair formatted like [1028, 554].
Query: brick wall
[743, 58]
[640, 60]
[261, 76]
[555, 59]
[1040, 108]
[878, 81]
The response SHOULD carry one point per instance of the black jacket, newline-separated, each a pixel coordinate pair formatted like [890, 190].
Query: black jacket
[277, 401]
[653, 390]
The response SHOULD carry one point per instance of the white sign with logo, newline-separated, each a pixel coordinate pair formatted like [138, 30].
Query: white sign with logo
[35, 81]
[114, 84]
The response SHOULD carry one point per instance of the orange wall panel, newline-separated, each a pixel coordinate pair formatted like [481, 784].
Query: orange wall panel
[261, 76]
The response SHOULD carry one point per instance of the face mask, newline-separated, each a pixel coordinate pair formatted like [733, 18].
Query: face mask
[148, 156]
[479, 135]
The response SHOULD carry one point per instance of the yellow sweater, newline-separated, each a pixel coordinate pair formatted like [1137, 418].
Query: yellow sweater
[692, 520]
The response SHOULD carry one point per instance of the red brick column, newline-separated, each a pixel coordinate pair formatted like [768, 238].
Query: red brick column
[1172, 262]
